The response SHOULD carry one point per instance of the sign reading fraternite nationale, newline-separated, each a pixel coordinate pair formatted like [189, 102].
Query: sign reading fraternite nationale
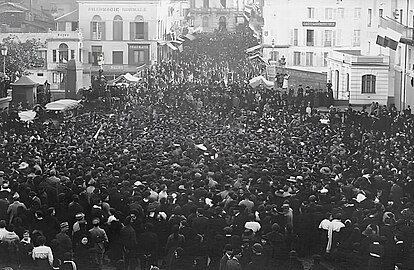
[319, 24]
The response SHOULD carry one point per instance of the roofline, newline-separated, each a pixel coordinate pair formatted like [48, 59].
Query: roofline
[67, 14]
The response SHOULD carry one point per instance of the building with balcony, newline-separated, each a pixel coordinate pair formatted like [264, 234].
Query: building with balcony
[210, 15]
[304, 32]
[360, 77]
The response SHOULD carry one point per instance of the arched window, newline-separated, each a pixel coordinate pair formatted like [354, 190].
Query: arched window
[222, 23]
[205, 21]
[368, 83]
[118, 28]
[63, 53]
[274, 55]
[139, 28]
[97, 28]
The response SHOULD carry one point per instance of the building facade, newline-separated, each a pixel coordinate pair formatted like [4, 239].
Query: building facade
[365, 81]
[304, 32]
[211, 15]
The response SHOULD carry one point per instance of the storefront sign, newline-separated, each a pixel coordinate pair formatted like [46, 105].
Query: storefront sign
[117, 9]
[138, 47]
[319, 24]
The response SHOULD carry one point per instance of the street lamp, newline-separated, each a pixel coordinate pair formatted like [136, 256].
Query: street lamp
[4, 54]
[273, 49]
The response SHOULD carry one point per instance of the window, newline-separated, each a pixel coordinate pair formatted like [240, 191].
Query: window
[341, 13]
[72, 54]
[347, 82]
[369, 17]
[357, 13]
[80, 55]
[118, 57]
[192, 3]
[295, 37]
[328, 13]
[368, 83]
[206, 3]
[54, 56]
[139, 28]
[310, 37]
[328, 38]
[309, 59]
[97, 28]
[205, 21]
[223, 3]
[357, 38]
[380, 12]
[401, 16]
[118, 28]
[61, 26]
[325, 59]
[398, 60]
[410, 63]
[96, 52]
[311, 12]
[296, 58]
[74, 26]
[63, 53]
[274, 56]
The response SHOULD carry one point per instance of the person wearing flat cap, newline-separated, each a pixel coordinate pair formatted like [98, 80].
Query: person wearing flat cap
[99, 239]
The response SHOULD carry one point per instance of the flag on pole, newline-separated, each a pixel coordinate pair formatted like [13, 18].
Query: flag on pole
[389, 33]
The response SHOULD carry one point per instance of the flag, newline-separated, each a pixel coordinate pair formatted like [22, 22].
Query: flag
[97, 133]
[389, 33]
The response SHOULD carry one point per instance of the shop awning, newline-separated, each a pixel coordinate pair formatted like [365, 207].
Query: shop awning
[63, 104]
[260, 80]
[190, 37]
[172, 47]
[254, 48]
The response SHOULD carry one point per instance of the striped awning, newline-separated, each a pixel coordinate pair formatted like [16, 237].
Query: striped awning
[172, 47]
[254, 48]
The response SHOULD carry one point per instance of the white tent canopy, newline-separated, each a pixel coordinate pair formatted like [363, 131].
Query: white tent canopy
[27, 116]
[128, 78]
[63, 104]
[260, 80]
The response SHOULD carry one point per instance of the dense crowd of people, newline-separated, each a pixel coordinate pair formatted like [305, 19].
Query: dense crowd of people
[194, 169]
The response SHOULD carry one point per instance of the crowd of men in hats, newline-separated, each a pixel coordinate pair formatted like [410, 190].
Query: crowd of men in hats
[175, 178]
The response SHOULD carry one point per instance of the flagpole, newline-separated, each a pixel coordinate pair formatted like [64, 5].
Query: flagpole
[404, 93]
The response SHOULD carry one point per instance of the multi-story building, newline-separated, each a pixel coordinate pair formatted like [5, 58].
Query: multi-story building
[18, 18]
[376, 73]
[127, 34]
[210, 15]
[304, 32]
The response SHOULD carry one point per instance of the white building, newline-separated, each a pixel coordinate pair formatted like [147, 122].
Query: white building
[210, 15]
[375, 73]
[306, 31]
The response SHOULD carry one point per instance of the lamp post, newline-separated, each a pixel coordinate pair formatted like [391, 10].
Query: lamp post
[4, 54]
[273, 49]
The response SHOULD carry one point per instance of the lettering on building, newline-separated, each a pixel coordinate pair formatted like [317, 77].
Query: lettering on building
[117, 9]
[319, 24]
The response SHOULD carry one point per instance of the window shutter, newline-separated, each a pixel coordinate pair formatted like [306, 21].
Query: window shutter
[316, 38]
[89, 57]
[132, 30]
[291, 37]
[145, 30]
[333, 38]
[102, 30]
[92, 37]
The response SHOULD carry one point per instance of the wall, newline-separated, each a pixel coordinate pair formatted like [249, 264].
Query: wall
[292, 13]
